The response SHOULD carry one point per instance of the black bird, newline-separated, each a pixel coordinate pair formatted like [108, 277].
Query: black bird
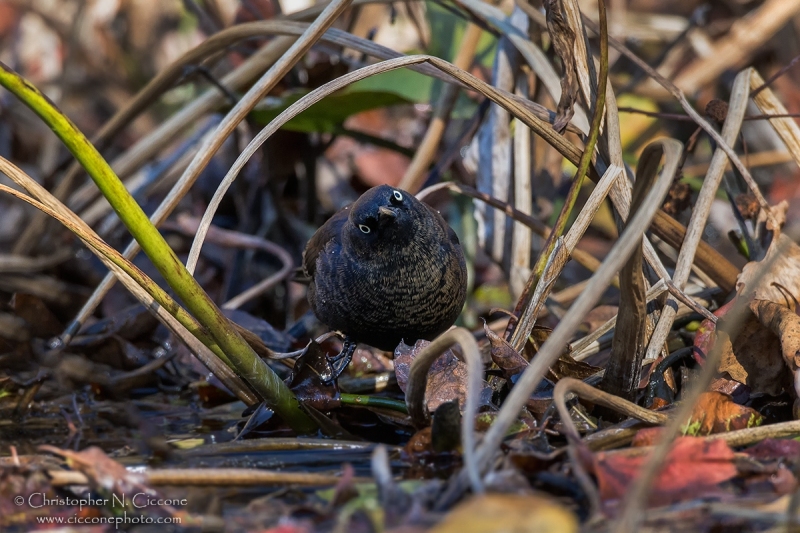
[384, 269]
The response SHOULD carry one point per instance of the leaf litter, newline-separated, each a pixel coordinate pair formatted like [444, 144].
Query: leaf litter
[123, 407]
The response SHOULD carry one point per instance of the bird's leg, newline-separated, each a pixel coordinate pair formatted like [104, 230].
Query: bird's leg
[339, 362]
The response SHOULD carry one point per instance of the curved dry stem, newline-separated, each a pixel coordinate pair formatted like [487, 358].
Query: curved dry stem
[513, 104]
[700, 121]
[418, 379]
[139, 284]
[552, 348]
[599, 397]
[728, 327]
[700, 211]
[188, 225]
[583, 258]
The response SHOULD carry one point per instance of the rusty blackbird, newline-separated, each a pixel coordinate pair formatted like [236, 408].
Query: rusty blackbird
[384, 269]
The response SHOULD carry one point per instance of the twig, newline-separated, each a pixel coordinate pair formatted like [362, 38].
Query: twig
[418, 379]
[586, 392]
[701, 210]
[637, 494]
[218, 477]
[552, 348]
[526, 321]
[708, 128]
[689, 302]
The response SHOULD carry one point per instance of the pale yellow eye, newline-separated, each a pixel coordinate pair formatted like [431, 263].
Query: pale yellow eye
[363, 228]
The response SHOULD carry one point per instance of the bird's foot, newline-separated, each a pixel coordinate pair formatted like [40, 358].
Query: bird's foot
[338, 362]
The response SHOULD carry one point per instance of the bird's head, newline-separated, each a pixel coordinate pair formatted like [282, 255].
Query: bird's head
[383, 216]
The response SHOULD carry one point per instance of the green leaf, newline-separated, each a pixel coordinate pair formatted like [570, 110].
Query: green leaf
[328, 115]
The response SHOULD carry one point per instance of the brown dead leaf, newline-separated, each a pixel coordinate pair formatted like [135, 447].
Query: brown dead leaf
[738, 391]
[756, 357]
[694, 467]
[782, 283]
[714, 412]
[508, 512]
[102, 471]
[107, 476]
[447, 377]
[30, 483]
[504, 356]
[563, 39]
[785, 324]
[306, 381]
[567, 367]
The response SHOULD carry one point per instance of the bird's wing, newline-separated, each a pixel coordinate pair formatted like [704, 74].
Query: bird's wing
[329, 231]
[443, 223]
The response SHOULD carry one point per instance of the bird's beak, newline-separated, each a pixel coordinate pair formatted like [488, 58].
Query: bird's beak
[386, 214]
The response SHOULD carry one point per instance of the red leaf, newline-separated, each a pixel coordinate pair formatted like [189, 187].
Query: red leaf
[772, 449]
[694, 467]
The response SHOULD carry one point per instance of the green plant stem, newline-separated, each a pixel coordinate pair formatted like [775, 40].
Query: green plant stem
[373, 401]
[245, 361]
[586, 159]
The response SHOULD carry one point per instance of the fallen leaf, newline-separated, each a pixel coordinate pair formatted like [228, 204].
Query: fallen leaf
[107, 477]
[715, 412]
[567, 367]
[739, 392]
[694, 467]
[773, 449]
[658, 403]
[508, 512]
[563, 39]
[447, 377]
[785, 324]
[756, 357]
[782, 282]
[307, 384]
[504, 356]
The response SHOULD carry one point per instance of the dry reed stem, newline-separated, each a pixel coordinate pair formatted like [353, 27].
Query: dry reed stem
[637, 494]
[417, 171]
[746, 35]
[786, 127]
[51, 206]
[418, 379]
[701, 210]
[552, 348]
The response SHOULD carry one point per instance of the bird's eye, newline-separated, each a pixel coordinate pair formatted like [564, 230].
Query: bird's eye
[364, 228]
[397, 197]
